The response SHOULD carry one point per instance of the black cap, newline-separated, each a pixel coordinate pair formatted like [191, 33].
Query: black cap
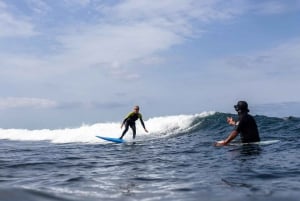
[241, 106]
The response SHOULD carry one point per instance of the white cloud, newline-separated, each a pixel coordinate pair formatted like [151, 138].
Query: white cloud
[77, 2]
[276, 7]
[281, 60]
[174, 10]
[174, 15]
[24, 102]
[2, 5]
[128, 33]
[12, 26]
[131, 32]
[265, 76]
[108, 45]
[39, 6]
[23, 66]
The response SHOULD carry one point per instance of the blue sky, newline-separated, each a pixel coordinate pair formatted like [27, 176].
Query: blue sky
[68, 62]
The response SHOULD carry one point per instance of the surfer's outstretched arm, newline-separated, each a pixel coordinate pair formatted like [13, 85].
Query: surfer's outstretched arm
[232, 135]
[143, 124]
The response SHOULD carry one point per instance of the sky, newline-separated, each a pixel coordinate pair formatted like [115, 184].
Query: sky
[64, 63]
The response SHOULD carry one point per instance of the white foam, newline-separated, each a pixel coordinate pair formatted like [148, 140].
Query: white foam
[157, 126]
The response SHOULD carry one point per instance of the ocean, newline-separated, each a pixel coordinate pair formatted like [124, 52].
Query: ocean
[175, 161]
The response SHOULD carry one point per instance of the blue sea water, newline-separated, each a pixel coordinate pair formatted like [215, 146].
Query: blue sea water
[176, 160]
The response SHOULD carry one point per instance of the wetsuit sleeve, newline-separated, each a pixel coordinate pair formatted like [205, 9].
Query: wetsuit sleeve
[142, 122]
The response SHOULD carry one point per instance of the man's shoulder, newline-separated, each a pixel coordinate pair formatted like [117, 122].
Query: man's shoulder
[247, 118]
[250, 116]
[246, 115]
[130, 114]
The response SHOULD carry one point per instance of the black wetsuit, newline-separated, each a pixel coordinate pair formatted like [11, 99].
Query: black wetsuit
[130, 121]
[247, 128]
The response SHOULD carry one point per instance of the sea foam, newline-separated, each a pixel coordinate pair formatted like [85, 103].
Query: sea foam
[157, 126]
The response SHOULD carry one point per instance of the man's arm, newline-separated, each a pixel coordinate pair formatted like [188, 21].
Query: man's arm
[142, 122]
[125, 119]
[232, 135]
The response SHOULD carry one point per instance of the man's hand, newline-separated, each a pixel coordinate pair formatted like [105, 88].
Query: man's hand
[230, 121]
[220, 143]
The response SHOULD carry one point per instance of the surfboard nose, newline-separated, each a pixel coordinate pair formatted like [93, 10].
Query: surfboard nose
[111, 139]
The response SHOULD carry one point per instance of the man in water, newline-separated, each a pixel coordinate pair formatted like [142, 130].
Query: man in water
[246, 126]
[130, 121]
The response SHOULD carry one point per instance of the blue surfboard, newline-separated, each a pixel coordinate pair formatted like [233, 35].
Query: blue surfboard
[111, 139]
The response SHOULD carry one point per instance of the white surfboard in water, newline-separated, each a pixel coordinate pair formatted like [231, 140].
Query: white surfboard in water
[266, 142]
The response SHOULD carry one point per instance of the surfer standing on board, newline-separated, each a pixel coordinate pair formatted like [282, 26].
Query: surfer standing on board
[130, 121]
[246, 126]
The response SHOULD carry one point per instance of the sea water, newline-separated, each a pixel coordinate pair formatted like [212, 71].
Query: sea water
[176, 160]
